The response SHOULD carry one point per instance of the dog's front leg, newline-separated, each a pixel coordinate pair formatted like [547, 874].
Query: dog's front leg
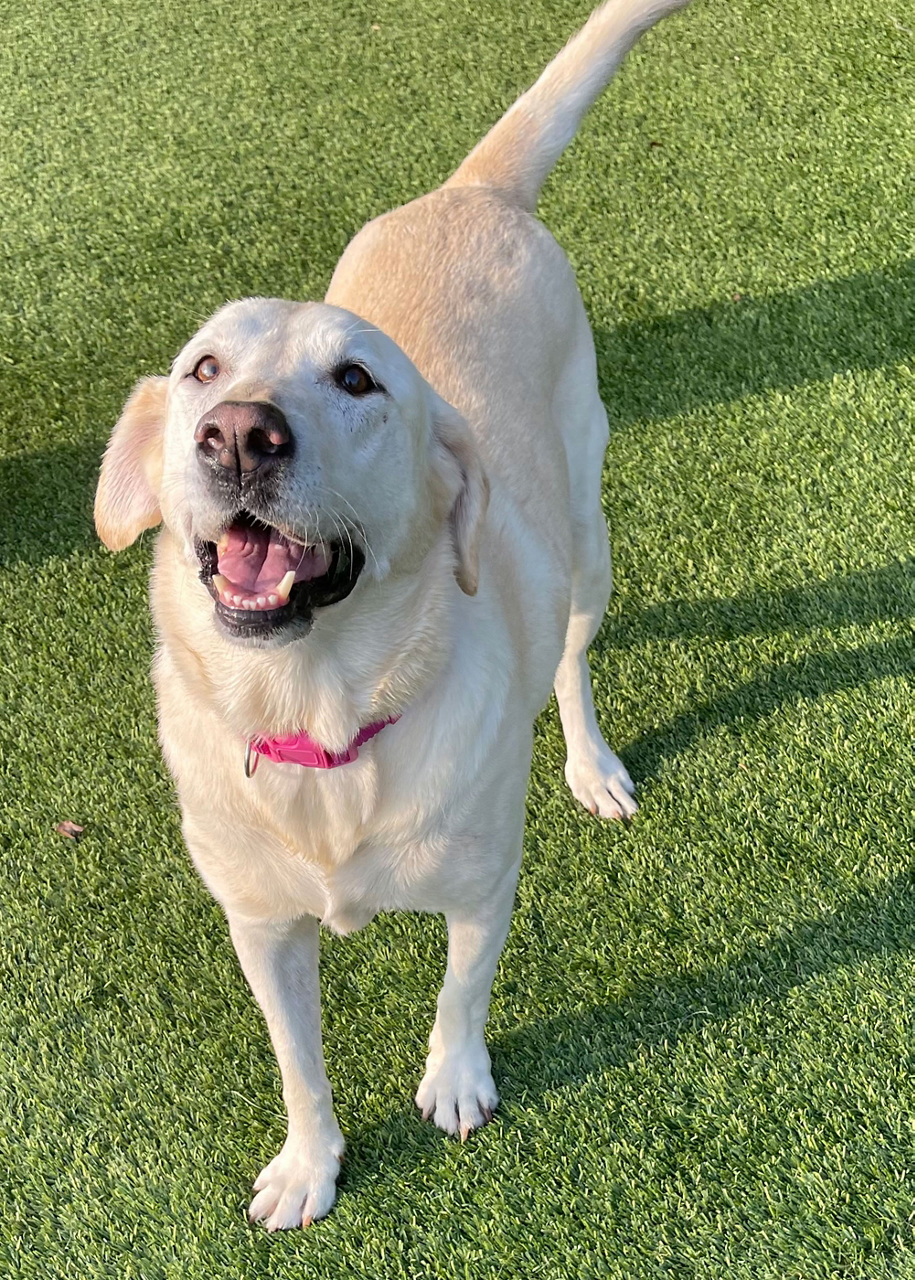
[280, 961]
[457, 1092]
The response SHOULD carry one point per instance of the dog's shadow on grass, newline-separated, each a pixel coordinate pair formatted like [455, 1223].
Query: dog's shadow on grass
[569, 1048]
[46, 509]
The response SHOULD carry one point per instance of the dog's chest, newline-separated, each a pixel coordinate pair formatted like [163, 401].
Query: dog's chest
[324, 815]
[337, 846]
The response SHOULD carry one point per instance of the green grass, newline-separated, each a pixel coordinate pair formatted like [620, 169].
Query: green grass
[703, 1025]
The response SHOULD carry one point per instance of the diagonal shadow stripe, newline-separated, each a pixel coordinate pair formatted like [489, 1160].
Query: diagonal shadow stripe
[776, 685]
[882, 594]
[567, 1047]
[667, 365]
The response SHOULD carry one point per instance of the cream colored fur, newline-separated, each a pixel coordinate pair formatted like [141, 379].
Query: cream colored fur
[487, 574]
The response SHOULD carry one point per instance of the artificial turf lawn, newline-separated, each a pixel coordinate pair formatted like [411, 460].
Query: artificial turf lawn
[702, 1026]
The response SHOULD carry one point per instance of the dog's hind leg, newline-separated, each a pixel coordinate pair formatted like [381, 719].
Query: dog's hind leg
[597, 776]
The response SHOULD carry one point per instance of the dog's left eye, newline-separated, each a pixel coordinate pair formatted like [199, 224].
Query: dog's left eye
[356, 380]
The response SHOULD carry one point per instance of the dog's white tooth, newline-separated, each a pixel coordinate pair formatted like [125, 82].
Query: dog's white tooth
[223, 541]
[261, 601]
[237, 600]
[284, 586]
[221, 584]
[272, 599]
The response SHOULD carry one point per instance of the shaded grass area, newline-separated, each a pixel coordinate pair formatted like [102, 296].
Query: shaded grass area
[702, 1026]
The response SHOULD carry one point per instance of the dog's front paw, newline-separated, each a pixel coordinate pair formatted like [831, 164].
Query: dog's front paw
[457, 1092]
[602, 784]
[296, 1188]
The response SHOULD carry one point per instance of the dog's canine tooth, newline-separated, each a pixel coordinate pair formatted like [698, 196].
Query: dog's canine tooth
[284, 586]
[221, 584]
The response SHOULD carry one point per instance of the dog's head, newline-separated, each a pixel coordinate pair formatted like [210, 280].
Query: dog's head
[293, 449]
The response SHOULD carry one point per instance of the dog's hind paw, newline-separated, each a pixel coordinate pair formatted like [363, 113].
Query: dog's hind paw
[457, 1093]
[601, 783]
[295, 1189]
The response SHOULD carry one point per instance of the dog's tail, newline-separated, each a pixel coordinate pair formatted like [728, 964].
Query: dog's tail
[519, 151]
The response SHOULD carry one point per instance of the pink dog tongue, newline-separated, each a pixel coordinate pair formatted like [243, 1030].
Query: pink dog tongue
[254, 560]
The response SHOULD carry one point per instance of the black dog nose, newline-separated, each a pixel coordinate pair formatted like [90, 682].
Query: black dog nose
[242, 435]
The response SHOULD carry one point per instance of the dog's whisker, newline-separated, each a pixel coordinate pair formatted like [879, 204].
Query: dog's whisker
[352, 331]
[360, 531]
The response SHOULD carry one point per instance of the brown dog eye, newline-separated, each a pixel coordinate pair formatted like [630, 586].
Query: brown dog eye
[206, 369]
[355, 380]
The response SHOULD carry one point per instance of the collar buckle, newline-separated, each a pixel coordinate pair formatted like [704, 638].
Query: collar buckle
[300, 748]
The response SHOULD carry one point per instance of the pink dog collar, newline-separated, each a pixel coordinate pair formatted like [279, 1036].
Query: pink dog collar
[299, 748]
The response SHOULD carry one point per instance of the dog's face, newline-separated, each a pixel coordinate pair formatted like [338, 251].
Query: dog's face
[293, 449]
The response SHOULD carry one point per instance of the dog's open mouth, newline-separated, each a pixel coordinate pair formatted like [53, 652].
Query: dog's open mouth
[264, 582]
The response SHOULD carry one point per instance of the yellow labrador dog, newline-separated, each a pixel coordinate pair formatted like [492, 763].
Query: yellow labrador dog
[382, 544]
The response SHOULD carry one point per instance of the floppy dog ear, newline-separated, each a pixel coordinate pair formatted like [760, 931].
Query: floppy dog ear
[127, 498]
[467, 486]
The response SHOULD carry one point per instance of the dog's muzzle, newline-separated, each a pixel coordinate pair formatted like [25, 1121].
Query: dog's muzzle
[266, 584]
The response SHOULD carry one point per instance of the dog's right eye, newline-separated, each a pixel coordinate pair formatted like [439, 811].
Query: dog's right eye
[207, 369]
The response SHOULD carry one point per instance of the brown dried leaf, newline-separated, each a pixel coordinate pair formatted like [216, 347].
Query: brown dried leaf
[72, 830]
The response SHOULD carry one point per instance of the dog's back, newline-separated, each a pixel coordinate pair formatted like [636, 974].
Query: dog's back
[484, 303]
[438, 274]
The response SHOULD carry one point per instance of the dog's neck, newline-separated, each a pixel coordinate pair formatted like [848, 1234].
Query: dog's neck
[365, 659]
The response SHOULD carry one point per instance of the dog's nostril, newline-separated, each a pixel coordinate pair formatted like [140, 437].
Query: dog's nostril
[262, 435]
[266, 440]
[209, 436]
[216, 446]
